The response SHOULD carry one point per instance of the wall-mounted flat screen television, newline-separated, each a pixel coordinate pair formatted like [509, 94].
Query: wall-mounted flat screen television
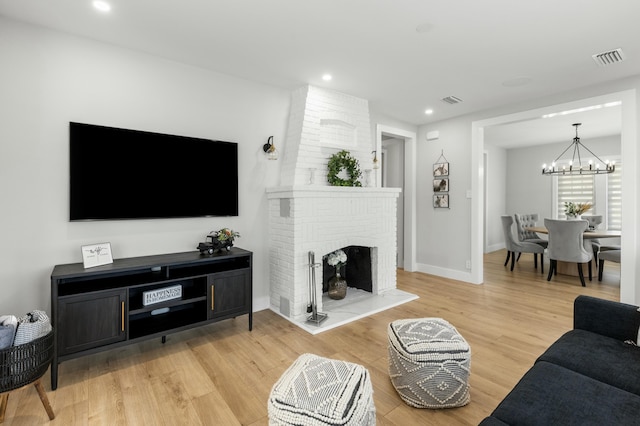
[130, 174]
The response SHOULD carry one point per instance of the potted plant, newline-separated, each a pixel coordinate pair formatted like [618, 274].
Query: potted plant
[221, 239]
[575, 210]
[337, 284]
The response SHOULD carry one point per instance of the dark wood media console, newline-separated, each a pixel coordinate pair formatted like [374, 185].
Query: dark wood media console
[102, 308]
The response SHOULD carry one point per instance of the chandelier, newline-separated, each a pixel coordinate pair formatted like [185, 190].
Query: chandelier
[578, 169]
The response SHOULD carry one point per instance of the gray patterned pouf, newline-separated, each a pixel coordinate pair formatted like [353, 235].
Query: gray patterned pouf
[429, 363]
[321, 391]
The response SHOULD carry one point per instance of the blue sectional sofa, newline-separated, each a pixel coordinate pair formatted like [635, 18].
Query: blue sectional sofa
[589, 376]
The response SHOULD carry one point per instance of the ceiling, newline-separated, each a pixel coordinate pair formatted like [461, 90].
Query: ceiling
[596, 123]
[403, 56]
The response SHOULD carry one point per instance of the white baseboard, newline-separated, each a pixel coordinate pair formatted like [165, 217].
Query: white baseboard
[446, 273]
[261, 304]
[494, 247]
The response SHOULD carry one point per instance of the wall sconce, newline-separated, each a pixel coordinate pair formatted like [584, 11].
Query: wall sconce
[376, 165]
[270, 149]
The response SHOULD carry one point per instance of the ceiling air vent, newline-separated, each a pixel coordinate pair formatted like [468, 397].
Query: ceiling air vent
[607, 58]
[451, 100]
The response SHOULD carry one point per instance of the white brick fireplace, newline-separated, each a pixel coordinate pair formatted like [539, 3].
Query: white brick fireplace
[306, 214]
[324, 219]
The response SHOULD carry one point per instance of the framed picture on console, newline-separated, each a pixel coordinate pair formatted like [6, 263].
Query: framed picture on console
[96, 255]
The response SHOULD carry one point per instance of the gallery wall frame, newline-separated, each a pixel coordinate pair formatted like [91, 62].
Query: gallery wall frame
[441, 185]
[440, 201]
[441, 169]
[441, 182]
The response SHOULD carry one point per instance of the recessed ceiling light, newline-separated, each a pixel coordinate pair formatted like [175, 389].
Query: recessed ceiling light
[327, 77]
[428, 111]
[102, 6]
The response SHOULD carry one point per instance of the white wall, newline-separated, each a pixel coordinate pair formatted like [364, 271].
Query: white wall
[495, 196]
[393, 166]
[443, 245]
[48, 79]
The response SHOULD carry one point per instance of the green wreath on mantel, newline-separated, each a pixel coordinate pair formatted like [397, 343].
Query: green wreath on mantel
[338, 162]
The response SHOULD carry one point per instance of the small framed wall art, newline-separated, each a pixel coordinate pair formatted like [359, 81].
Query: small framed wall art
[441, 185]
[440, 201]
[441, 169]
[96, 255]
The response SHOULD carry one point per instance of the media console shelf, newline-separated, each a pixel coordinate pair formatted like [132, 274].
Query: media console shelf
[102, 308]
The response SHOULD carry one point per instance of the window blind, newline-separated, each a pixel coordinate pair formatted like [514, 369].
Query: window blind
[614, 199]
[576, 189]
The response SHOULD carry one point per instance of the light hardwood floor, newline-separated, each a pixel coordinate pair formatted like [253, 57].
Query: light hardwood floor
[222, 374]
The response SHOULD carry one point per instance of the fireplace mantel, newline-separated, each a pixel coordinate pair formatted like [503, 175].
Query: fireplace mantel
[332, 191]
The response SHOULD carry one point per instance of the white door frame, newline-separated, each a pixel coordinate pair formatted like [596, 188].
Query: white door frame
[409, 188]
[629, 271]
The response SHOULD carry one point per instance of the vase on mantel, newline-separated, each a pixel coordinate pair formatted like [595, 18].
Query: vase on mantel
[337, 286]
[574, 217]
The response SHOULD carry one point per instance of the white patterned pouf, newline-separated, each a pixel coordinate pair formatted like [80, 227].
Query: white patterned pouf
[429, 363]
[321, 391]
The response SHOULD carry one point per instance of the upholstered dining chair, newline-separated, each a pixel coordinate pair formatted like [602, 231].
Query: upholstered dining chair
[513, 246]
[525, 221]
[566, 244]
[611, 256]
[594, 222]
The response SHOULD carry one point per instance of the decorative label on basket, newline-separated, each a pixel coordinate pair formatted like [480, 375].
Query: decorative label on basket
[161, 295]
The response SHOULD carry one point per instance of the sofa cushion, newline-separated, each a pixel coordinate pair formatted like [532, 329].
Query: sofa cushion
[602, 358]
[552, 395]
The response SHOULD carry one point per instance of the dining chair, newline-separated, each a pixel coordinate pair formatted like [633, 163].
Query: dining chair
[513, 246]
[611, 256]
[526, 221]
[566, 244]
[594, 222]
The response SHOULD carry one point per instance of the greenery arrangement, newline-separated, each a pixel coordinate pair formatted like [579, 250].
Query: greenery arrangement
[575, 209]
[338, 162]
[225, 234]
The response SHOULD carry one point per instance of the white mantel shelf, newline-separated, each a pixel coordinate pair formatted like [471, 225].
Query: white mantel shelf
[334, 191]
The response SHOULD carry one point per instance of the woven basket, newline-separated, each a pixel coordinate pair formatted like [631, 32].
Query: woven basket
[23, 364]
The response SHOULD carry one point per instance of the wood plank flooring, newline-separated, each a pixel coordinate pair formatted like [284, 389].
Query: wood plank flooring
[222, 374]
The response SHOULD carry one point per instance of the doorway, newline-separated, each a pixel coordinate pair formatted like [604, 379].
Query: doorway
[628, 273]
[393, 177]
[408, 197]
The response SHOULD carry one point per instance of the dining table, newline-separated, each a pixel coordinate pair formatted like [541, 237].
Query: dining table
[589, 234]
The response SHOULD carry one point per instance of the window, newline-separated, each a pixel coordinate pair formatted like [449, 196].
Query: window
[614, 199]
[604, 192]
[576, 189]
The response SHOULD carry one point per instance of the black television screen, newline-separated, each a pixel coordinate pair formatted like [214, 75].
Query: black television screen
[130, 174]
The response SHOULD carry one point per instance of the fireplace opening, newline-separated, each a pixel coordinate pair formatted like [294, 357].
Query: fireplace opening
[357, 271]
